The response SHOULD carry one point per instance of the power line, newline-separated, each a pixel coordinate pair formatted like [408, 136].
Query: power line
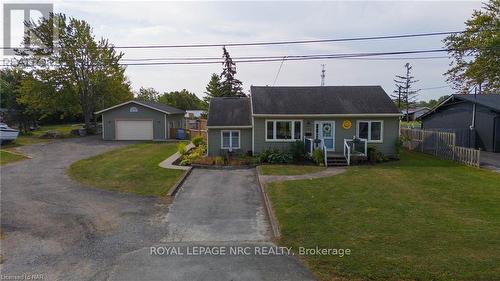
[297, 58]
[435, 88]
[205, 45]
[291, 42]
[269, 57]
[279, 70]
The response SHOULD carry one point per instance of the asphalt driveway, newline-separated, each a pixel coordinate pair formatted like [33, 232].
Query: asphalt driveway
[56, 227]
[214, 209]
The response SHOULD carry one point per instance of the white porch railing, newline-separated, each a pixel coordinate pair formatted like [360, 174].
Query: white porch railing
[347, 152]
[325, 153]
[350, 148]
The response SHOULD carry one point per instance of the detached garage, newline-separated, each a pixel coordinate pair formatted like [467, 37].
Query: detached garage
[141, 120]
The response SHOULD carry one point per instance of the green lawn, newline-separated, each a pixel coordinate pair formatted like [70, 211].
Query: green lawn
[7, 157]
[288, 170]
[133, 169]
[417, 219]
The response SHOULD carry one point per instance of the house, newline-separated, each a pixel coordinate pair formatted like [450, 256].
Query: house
[275, 117]
[475, 119]
[413, 114]
[141, 120]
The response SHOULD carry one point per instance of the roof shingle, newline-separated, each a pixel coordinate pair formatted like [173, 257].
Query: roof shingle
[229, 111]
[322, 100]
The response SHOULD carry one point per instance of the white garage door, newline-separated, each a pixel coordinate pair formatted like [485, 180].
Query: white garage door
[134, 130]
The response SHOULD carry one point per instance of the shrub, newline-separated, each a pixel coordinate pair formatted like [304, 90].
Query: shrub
[185, 162]
[398, 145]
[375, 156]
[197, 141]
[264, 155]
[181, 148]
[317, 156]
[298, 150]
[219, 160]
[278, 156]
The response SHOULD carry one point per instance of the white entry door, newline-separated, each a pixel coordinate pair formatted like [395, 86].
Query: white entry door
[325, 131]
[134, 129]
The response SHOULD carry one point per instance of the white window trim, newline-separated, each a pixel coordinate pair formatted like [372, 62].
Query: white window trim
[293, 139]
[230, 139]
[369, 137]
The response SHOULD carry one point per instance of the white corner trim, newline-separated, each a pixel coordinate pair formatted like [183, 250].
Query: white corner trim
[131, 101]
[102, 125]
[165, 115]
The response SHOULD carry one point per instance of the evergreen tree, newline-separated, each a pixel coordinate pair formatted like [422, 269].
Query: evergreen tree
[406, 95]
[230, 86]
[213, 88]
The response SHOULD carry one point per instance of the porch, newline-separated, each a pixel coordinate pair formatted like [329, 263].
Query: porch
[354, 151]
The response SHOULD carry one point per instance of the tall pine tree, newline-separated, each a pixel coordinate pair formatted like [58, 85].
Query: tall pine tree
[230, 86]
[405, 95]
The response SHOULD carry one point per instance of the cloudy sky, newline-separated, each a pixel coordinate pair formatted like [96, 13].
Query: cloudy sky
[166, 23]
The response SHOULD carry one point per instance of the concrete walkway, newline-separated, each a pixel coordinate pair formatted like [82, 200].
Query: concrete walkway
[169, 162]
[328, 172]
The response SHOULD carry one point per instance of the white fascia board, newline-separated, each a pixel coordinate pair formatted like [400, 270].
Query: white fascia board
[131, 101]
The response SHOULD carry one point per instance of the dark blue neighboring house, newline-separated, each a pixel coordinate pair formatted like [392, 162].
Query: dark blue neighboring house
[474, 118]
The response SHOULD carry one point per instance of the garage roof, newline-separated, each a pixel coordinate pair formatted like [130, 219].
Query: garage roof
[150, 104]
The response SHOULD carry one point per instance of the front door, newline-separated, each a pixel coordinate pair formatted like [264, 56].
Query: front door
[325, 131]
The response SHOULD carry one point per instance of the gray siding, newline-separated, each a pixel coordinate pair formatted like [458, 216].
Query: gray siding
[459, 117]
[123, 113]
[390, 133]
[214, 141]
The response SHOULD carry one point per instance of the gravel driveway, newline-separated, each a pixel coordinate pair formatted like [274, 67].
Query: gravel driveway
[56, 227]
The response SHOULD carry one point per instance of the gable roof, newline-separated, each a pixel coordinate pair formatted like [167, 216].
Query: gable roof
[229, 112]
[150, 104]
[322, 100]
[491, 101]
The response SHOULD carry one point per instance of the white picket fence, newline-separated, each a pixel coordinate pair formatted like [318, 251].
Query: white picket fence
[440, 144]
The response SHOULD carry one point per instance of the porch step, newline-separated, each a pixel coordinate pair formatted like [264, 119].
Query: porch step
[336, 160]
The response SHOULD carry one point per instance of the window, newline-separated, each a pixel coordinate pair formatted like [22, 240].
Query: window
[283, 130]
[370, 130]
[230, 140]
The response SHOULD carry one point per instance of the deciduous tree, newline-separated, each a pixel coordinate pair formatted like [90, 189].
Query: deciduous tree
[476, 52]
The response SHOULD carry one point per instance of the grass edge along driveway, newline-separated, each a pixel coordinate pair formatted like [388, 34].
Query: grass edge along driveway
[132, 169]
[8, 157]
[420, 218]
[289, 170]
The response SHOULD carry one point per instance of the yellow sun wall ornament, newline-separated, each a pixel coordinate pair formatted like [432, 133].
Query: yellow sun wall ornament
[346, 124]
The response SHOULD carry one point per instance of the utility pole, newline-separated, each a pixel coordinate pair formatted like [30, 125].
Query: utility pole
[322, 75]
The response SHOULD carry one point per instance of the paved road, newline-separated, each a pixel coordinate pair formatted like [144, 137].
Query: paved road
[54, 226]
